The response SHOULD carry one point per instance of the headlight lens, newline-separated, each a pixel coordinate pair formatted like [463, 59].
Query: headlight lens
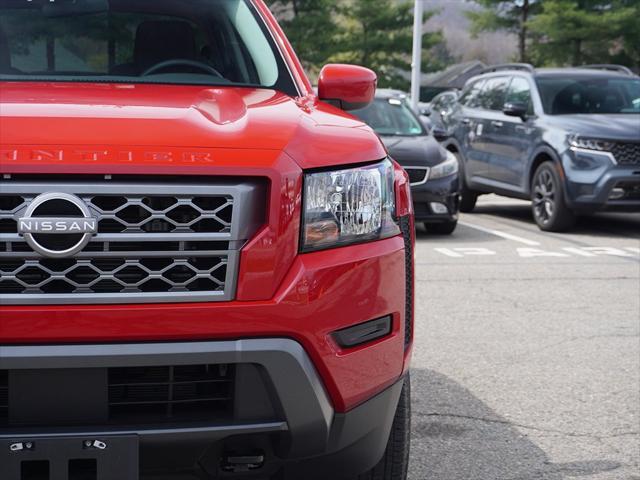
[446, 168]
[577, 141]
[348, 206]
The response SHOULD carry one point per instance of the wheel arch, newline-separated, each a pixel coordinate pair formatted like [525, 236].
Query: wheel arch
[452, 146]
[541, 155]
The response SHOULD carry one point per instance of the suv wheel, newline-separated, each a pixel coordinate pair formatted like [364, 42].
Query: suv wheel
[547, 196]
[468, 197]
[395, 462]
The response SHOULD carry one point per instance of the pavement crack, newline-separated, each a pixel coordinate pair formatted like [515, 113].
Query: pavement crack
[527, 427]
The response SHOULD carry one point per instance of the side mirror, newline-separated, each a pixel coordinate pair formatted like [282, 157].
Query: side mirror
[347, 86]
[515, 109]
[425, 111]
[439, 133]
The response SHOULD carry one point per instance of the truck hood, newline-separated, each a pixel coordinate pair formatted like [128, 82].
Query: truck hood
[606, 126]
[107, 122]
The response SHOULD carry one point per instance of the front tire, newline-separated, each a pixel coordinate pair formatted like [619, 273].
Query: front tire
[548, 205]
[468, 197]
[395, 461]
[444, 228]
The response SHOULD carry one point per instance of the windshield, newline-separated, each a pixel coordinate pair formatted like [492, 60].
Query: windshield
[211, 42]
[390, 116]
[566, 96]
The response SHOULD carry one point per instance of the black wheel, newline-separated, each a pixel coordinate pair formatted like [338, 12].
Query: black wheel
[395, 462]
[547, 196]
[444, 228]
[468, 197]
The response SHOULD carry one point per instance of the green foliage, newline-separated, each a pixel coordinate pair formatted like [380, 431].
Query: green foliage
[510, 16]
[377, 34]
[575, 32]
[311, 26]
[566, 32]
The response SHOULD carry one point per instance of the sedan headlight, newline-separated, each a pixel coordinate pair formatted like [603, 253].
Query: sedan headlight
[577, 141]
[348, 206]
[446, 168]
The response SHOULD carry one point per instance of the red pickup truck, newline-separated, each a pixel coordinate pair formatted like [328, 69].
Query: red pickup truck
[206, 269]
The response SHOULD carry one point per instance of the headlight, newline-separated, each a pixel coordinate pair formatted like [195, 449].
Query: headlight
[348, 206]
[446, 168]
[577, 141]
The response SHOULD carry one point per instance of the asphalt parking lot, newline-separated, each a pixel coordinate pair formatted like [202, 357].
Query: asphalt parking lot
[527, 352]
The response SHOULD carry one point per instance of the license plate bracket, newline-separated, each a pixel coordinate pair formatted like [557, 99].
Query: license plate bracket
[70, 458]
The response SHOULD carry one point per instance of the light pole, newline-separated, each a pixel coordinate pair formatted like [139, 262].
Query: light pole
[417, 54]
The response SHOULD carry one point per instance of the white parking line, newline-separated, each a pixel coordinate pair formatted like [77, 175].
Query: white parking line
[448, 252]
[461, 252]
[579, 251]
[498, 233]
[530, 252]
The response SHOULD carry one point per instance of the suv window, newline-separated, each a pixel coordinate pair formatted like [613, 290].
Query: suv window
[446, 100]
[220, 42]
[520, 92]
[470, 95]
[589, 95]
[493, 93]
[435, 105]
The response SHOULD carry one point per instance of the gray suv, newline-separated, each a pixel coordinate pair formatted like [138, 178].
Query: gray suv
[567, 139]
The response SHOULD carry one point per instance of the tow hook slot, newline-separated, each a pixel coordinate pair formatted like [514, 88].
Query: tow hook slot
[97, 444]
[242, 463]
[20, 446]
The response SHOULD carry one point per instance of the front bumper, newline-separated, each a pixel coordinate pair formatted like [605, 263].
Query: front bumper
[442, 190]
[297, 419]
[590, 189]
[323, 292]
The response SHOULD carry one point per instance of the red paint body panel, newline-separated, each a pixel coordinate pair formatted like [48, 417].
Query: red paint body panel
[75, 117]
[73, 128]
[354, 87]
[323, 292]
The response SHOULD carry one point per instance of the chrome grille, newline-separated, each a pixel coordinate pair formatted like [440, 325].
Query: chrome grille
[155, 243]
[114, 275]
[627, 153]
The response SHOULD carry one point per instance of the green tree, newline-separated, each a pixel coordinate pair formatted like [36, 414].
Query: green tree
[575, 32]
[311, 26]
[510, 16]
[378, 34]
[629, 54]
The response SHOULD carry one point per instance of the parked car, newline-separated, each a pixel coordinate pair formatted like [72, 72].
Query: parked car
[440, 108]
[567, 139]
[206, 270]
[433, 171]
[424, 112]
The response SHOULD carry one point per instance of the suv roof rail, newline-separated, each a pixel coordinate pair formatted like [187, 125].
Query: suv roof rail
[608, 66]
[510, 66]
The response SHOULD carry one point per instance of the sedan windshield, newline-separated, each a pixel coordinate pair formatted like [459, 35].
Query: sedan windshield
[211, 42]
[391, 116]
[589, 95]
